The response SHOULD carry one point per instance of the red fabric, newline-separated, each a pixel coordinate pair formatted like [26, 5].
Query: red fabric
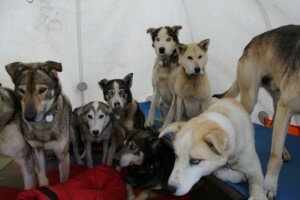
[99, 183]
[8, 193]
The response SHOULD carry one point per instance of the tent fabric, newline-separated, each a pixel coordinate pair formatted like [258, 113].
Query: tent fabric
[98, 183]
[115, 43]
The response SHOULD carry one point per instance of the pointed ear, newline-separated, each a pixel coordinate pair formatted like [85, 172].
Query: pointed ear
[53, 66]
[128, 79]
[176, 29]
[152, 141]
[151, 31]
[78, 111]
[171, 130]
[217, 141]
[108, 108]
[13, 69]
[181, 48]
[102, 83]
[204, 44]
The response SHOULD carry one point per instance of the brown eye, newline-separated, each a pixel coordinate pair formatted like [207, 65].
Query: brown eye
[42, 90]
[200, 56]
[132, 147]
[21, 91]
[168, 39]
[190, 57]
[157, 39]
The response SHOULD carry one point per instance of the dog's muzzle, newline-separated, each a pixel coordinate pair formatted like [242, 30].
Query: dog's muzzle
[172, 189]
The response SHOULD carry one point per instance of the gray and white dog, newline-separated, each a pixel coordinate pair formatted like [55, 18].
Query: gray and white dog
[94, 122]
[46, 112]
[12, 142]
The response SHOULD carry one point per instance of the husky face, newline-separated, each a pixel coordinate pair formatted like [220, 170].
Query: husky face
[37, 87]
[193, 57]
[96, 115]
[117, 92]
[164, 39]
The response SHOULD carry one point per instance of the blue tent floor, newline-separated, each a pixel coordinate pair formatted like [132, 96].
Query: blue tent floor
[289, 178]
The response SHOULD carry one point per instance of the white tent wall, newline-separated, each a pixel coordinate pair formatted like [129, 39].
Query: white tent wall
[115, 43]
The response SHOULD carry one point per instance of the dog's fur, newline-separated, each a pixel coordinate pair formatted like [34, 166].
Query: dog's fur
[164, 41]
[220, 140]
[12, 142]
[150, 162]
[271, 60]
[192, 88]
[46, 112]
[94, 122]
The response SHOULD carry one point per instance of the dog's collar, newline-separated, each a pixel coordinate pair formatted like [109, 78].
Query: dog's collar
[166, 61]
[49, 116]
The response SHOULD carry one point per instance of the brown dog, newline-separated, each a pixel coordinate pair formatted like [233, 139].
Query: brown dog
[271, 60]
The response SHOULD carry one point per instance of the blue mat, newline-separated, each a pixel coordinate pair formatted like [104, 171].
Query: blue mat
[289, 178]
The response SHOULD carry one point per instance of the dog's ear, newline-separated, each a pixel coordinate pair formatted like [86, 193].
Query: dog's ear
[78, 111]
[181, 48]
[103, 83]
[14, 69]
[128, 79]
[152, 140]
[108, 109]
[171, 130]
[217, 141]
[176, 29]
[204, 44]
[53, 66]
[151, 31]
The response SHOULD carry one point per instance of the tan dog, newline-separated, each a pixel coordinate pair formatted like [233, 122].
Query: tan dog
[220, 140]
[164, 41]
[271, 60]
[192, 88]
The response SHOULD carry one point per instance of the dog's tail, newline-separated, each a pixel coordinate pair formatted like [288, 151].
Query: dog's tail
[233, 91]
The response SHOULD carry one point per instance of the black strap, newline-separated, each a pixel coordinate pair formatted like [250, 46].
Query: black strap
[49, 193]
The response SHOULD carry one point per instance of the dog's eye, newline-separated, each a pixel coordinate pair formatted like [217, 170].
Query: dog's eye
[194, 161]
[168, 39]
[133, 147]
[101, 116]
[157, 39]
[42, 90]
[110, 93]
[21, 91]
[90, 116]
[122, 92]
[200, 56]
[190, 57]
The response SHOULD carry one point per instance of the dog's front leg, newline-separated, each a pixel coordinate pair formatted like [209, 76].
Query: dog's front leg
[227, 174]
[179, 109]
[40, 166]
[205, 104]
[282, 119]
[64, 165]
[130, 193]
[104, 151]
[88, 153]
[111, 150]
[74, 146]
[26, 164]
[154, 102]
[171, 114]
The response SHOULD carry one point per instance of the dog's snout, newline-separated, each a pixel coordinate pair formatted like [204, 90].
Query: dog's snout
[117, 105]
[197, 69]
[172, 189]
[30, 114]
[95, 132]
[161, 50]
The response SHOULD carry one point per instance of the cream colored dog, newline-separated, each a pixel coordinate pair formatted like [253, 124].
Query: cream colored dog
[221, 140]
[192, 88]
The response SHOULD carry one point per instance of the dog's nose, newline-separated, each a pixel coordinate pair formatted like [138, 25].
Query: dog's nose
[30, 115]
[172, 189]
[95, 132]
[197, 69]
[117, 105]
[161, 50]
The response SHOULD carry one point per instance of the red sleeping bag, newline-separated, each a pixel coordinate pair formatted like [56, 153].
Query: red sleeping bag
[99, 183]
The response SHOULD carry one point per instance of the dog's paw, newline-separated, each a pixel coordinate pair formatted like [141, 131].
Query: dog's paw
[258, 197]
[270, 195]
[270, 190]
[149, 123]
[286, 156]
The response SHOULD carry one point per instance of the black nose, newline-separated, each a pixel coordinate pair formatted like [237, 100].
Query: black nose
[30, 115]
[172, 189]
[161, 50]
[95, 132]
[197, 70]
[116, 160]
